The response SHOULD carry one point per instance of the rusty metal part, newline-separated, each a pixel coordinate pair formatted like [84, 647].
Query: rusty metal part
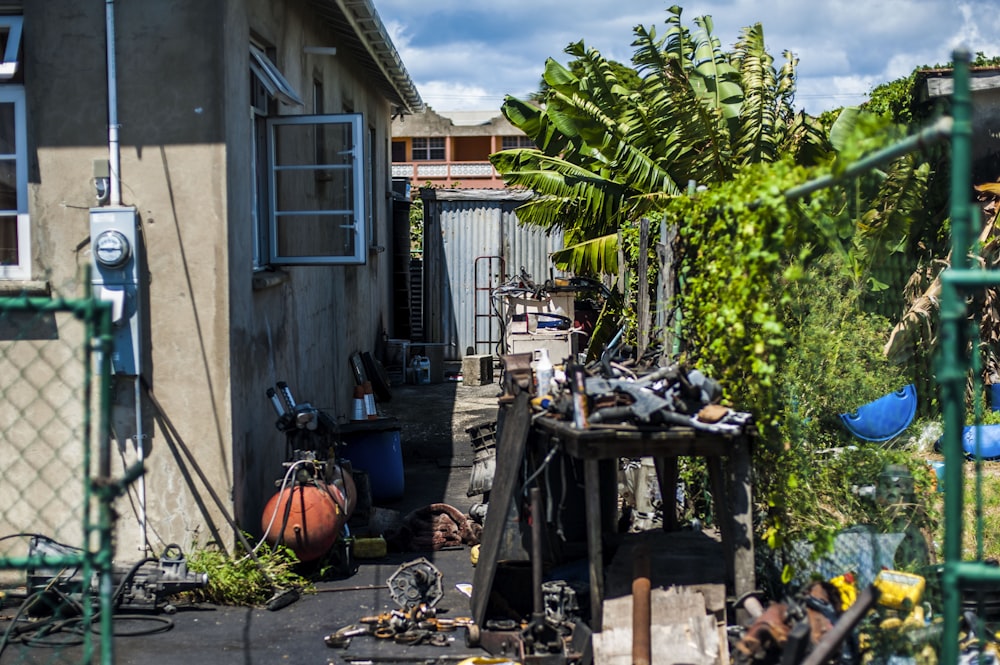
[412, 636]
[416, 583]
[769, 629]
[848, 620]
[641, 606]
[341, 639]
[517, 375]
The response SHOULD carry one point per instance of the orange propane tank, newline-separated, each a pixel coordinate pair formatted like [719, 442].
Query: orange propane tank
[305, 518]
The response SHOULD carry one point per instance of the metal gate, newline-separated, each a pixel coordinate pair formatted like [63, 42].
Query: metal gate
[488, 271]
[55, 486]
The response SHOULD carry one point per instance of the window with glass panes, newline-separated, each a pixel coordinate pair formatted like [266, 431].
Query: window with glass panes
[428, 148]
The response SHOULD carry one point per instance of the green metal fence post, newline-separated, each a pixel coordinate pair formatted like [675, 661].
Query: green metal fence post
[953, 363]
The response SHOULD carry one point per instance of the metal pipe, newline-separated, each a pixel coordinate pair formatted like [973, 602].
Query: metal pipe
[641, 606]
[114, 152]
[953, 364]
[115, 199]
[935, 133]
[537, 604]
[968, 279]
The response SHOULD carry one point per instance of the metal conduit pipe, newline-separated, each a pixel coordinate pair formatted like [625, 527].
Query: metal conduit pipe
[115, 200]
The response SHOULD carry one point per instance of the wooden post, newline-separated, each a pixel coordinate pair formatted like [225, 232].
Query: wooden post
[665, 305]
[642, 284]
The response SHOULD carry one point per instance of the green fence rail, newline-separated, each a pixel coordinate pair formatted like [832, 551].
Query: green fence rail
[56, 546]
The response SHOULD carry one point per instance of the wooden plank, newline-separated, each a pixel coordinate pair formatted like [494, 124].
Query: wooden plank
[498, 528]
[682, 631]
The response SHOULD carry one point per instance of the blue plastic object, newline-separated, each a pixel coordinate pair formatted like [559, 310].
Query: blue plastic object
[989, 441]
[377, 450]
[884, 418]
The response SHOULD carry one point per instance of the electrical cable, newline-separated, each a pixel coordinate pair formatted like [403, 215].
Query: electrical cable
[69, 629]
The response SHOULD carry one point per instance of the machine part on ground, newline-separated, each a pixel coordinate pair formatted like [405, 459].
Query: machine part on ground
[562, 604]
[341, 639]
[143, 585]
[416, 583]
[317, 496]
[307, 518]
[795, 631]
[484, 458]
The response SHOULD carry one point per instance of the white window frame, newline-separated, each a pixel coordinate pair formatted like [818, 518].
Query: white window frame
[358, 214]
[272, 78]
[515, 141]
[12, 26]
[22, 269]
[428, 146]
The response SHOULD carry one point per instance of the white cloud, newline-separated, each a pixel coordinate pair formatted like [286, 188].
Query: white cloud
[449, 96]
[461, 53]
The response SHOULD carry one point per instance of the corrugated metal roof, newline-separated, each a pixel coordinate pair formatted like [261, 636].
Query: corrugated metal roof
[358, 24]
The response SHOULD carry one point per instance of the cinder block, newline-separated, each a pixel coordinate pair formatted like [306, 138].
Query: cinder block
[477, 370]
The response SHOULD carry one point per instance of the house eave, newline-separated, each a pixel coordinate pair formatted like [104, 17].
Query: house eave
[358, 24]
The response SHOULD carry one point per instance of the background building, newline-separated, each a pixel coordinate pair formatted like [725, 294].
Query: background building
[451, 149]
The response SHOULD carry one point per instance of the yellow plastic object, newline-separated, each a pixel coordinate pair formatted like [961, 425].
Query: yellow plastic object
[899, 590]
[847, 588]
[474, 554]
[370, 548]
[480, 660]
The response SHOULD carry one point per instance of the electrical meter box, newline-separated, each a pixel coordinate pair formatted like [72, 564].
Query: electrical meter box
[114, 251]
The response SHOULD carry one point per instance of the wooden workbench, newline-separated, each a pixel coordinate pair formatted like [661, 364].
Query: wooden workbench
[728, 459]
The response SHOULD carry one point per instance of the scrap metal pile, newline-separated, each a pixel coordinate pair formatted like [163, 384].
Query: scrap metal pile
[617, 393]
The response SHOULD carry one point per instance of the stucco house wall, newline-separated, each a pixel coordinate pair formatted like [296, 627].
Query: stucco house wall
[219, 332]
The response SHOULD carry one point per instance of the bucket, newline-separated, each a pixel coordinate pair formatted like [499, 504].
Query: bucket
[378, 452]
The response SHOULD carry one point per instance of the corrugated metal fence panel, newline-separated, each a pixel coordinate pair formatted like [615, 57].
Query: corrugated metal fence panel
[529, 248]
[467, 233]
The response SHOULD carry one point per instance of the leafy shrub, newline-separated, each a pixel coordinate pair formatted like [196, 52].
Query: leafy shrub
[833, 364]
[241, 581]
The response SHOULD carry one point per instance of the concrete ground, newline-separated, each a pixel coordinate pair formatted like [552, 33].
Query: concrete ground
[437, 461]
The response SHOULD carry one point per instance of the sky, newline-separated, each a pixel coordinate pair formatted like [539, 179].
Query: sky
[465, 55]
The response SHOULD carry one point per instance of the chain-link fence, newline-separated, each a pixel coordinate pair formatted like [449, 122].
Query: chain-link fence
[55, 544]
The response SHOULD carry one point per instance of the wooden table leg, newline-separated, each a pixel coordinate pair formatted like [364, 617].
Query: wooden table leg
[666, 476]
[741, 505]
[723, 515]
[592, 484]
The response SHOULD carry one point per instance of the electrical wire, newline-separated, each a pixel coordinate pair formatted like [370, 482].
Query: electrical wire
[65, 628]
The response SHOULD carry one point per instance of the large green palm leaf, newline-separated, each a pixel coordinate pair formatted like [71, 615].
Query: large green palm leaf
[611, 151]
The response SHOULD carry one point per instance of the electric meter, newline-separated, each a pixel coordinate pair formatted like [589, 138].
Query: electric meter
[112, 249]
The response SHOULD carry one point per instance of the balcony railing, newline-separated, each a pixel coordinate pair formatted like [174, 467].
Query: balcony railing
[446, 170]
